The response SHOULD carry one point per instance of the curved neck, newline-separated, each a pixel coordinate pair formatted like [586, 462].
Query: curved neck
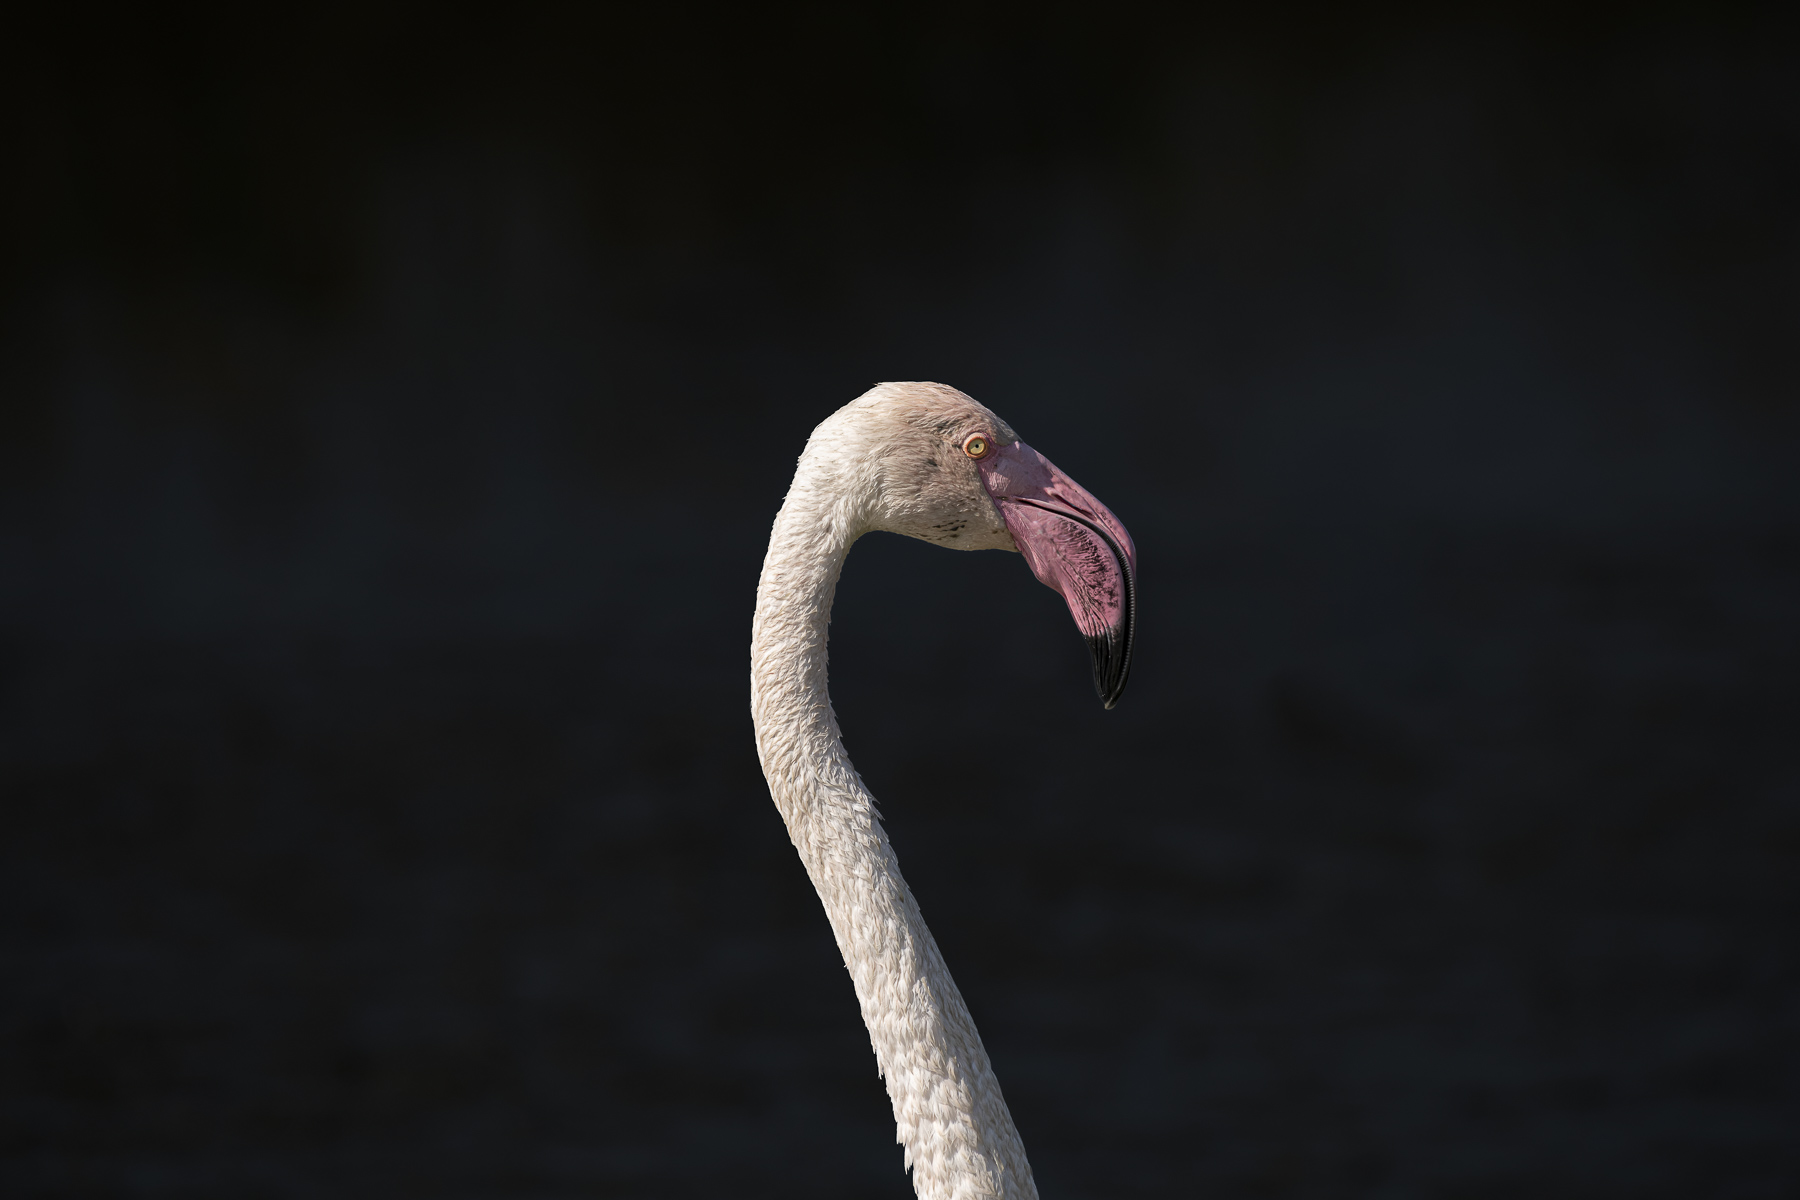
[959, 1138]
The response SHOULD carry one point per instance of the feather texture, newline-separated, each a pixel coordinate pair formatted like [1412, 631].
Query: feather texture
[959, 1138]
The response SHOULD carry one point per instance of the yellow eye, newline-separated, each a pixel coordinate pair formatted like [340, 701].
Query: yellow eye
[976, 447]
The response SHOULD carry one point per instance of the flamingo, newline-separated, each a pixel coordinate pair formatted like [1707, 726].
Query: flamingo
[924, 460]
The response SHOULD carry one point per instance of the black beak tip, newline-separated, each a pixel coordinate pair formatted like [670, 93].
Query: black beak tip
[1112, 665]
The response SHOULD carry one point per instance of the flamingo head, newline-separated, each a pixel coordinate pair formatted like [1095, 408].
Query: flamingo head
[936, 465]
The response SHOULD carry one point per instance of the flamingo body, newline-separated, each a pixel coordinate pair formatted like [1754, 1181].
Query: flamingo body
[926, 461]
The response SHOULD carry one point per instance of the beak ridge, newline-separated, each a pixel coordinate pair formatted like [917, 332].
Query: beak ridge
[1077, 548]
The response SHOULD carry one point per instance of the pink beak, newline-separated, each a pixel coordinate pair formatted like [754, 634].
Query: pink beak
[1074, 546]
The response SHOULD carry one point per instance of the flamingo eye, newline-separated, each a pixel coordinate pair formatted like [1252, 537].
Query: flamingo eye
[976, 446]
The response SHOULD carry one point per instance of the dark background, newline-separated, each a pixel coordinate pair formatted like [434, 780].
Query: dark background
[395, 405]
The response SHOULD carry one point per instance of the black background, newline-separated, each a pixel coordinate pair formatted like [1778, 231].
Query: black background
[395, 404]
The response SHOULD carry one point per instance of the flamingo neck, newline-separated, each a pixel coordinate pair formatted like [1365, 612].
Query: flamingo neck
[950, 1117]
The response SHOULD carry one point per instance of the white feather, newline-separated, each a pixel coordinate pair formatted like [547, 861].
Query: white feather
[959, 1138]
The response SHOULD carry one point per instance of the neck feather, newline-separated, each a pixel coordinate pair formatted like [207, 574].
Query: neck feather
[959, 1138]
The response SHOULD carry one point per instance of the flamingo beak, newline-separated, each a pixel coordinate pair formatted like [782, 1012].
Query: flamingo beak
[1077, 548]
